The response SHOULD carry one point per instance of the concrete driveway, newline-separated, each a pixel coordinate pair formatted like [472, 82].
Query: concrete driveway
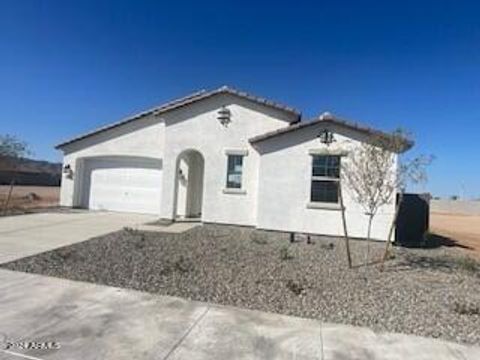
[90, 321]
[26, 235]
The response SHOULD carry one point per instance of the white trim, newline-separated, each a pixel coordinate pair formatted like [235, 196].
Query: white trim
[242, 152]
[234, 191]
[325, 178]
[324, 205]
[324, 151]
[318, 204]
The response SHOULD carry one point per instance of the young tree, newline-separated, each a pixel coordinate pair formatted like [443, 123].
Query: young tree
[409, 171]
[345, 232]
[370, 174]
[11, 151]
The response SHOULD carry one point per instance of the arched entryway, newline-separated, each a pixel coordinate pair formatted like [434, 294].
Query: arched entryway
[189, 185]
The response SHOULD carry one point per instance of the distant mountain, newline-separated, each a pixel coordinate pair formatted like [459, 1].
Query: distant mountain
[39, 166]
[32, 172]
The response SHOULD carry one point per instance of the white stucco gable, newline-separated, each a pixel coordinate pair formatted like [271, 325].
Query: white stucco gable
[285, 179]
[198, 128]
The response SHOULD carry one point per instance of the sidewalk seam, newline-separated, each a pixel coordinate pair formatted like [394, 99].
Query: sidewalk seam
[189, 330]
[321, 342]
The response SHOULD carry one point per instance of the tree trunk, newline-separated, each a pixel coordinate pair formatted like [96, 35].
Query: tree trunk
[345, 232]
[9, 196]
[367, 253]
[390, 232]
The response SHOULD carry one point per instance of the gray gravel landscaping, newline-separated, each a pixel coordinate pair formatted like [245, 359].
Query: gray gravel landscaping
[433, 292]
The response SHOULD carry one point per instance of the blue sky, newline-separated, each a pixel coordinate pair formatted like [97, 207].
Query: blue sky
[69, 66]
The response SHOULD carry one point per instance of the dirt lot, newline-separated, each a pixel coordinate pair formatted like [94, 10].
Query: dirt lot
[26, 198]
[461, 231]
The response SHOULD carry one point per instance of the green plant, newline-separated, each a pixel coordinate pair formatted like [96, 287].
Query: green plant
[329, 246]
[130, 230]
[183, 265]
[445, 262]
[258, 239]
[65, 253]
[140, 243]
[295, 287]
[285, 253]
[466, 308]
[468, 264]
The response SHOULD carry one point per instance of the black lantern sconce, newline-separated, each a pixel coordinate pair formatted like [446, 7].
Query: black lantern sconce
[224, 116]
[326, 137]
[67, 170]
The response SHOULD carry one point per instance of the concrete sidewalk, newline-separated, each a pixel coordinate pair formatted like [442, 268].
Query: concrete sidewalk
[26, 235]
[99, 322]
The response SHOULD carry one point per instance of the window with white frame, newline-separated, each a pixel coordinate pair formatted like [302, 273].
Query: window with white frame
[234, 171]
[325, 179]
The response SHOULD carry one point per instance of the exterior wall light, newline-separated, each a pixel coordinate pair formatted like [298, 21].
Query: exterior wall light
[326, 137]
[67, 170]
[224, 116]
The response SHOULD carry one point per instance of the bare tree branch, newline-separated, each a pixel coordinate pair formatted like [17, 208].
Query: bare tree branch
[373, 173]
[11, 152]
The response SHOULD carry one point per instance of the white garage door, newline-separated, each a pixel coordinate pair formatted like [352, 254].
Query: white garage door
[126, 185]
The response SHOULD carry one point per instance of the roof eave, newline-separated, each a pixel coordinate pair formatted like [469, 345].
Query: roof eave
[181, 102]
[325, 119]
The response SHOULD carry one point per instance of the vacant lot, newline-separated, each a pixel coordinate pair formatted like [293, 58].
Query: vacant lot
[462, 231]
[28, 198]
[433, 292]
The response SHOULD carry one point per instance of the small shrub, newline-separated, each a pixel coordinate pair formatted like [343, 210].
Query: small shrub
[468, 264]
[295, 287]
[329, 246]
[65, 254]
[140, 243]
[183, 265]
[258, 239]
[31, 196]
[466, 308]
[130, 230]
[445, 262]
[285, 253]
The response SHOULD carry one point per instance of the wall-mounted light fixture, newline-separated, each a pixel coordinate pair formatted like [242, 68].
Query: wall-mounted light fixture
[326, 137]
[224, 116]
[67, 170]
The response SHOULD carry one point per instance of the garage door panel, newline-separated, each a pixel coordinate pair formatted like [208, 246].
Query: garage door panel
[129, 186]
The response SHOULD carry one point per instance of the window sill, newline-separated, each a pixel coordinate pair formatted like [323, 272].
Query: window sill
[235, 191]
[324, 206]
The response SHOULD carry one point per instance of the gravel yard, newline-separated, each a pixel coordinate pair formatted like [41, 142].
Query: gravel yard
[433, 292]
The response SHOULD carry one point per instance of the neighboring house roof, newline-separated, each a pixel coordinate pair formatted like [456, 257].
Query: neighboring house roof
[178, 103]
[327, 118]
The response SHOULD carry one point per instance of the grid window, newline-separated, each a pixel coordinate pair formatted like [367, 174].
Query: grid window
[325, 178]
[234, 171]
[326, 166]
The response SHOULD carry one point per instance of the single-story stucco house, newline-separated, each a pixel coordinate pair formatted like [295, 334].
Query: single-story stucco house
[221, 156]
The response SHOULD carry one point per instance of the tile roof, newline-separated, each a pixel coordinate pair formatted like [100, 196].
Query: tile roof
[177, 103]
